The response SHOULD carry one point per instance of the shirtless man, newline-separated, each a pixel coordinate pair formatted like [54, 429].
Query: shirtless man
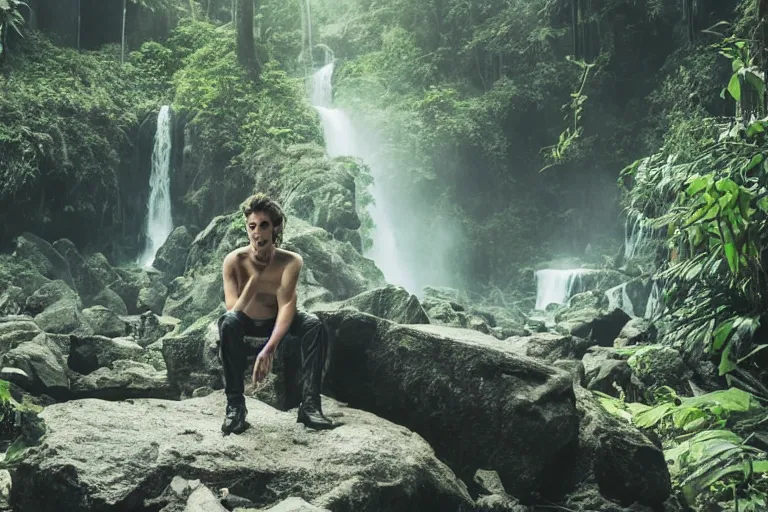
[260, 296]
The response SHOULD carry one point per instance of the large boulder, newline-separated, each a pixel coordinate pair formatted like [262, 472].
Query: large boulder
[326, 197]
[89, 353]
[549, 346]
[15, 330]
[391, 302]
[607, 371]
[105, 322]
[124, 379]
[191, 356]
[21, 274]
[126, 453]
[43, 365]
[616, 457]
[659, 365]
[599, 327]
[43, 257]
[191, 298]
[478, 401]
[171, 258]
[87, 282]
[12, 300]
[49, 294]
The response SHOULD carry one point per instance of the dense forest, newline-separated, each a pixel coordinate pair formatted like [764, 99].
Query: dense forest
[499, 139]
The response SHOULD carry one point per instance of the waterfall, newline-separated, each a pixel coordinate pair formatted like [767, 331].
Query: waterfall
[635, 233]
[341, 139]
[159, 222]
[653, 307]
[619, 298]
[556, 286]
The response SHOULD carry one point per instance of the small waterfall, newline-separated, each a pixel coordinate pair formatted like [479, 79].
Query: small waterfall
[635, 233]
[653, 307]
[556, 286]
[159, 222]
[619, 298]
[341, 140]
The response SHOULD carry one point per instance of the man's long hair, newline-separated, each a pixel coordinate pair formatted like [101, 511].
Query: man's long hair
[261, 203]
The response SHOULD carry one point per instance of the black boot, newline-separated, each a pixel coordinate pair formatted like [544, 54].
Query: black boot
[235, 420]
[312, 416]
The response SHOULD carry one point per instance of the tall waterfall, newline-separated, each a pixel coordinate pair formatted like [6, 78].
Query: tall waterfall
[159, 222]
[341, 139]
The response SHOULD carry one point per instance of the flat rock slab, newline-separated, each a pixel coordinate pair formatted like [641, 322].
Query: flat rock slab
[111, 456]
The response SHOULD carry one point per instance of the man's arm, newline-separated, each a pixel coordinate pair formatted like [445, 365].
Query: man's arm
[231, 290]
[286, 303]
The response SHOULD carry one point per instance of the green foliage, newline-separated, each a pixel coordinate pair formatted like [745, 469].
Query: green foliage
[706, 440]
[746, 72]
[65, 119]
[10, 19]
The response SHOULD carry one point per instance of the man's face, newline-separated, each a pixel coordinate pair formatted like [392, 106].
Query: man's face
[259, 228]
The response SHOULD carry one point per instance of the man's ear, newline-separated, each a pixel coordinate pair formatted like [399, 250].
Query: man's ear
[278, 229]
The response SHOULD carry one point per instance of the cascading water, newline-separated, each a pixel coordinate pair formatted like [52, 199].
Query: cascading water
[341, 140]
[555, 286]
[619, 298]
[159, 222]
[635, 233]
[653, 307]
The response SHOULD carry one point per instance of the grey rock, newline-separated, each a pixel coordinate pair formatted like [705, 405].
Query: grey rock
[606, 371]
[191, 298]
[616, 457]
[125, 379]
[48, 294]
[391, 302]
[295, 505]
[432, 379]
[550, 346]
[171, 258]
[152, 298]
[43, 257]
[12, 301]
[15, 330]
[62, 317]
[111, 300]
[43, 363]
[89, 353]
[105, 322]
[657, 365]
[119, 454]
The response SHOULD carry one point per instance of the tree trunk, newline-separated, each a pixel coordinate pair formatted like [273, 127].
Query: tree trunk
[122, 38]
[246, 46]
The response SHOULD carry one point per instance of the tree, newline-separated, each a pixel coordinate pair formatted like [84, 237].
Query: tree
[246, 46]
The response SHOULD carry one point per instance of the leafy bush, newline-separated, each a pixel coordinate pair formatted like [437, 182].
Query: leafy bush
[707, 443]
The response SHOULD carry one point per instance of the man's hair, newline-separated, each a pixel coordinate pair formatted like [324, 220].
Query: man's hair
[261, 203]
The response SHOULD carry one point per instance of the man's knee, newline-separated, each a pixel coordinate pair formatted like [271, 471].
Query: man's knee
[230, 324]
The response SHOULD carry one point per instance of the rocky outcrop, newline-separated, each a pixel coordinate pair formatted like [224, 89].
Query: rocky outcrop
[615, 457]
[438, 380]
[128, 452]
[391, 302]
[171, 258]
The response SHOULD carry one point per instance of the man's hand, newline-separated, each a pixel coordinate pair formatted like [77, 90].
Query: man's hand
[263, 365]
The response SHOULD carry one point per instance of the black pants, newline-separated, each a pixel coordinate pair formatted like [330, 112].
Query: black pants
[304, 344]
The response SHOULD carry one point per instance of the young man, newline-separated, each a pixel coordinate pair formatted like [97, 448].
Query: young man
[260, 295]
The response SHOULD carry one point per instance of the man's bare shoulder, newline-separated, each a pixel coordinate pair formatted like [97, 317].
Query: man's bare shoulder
[234, 257]
[288, 257]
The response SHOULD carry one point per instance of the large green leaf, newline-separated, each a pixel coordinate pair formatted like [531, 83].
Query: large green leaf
[721, 335]
[734, 87]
